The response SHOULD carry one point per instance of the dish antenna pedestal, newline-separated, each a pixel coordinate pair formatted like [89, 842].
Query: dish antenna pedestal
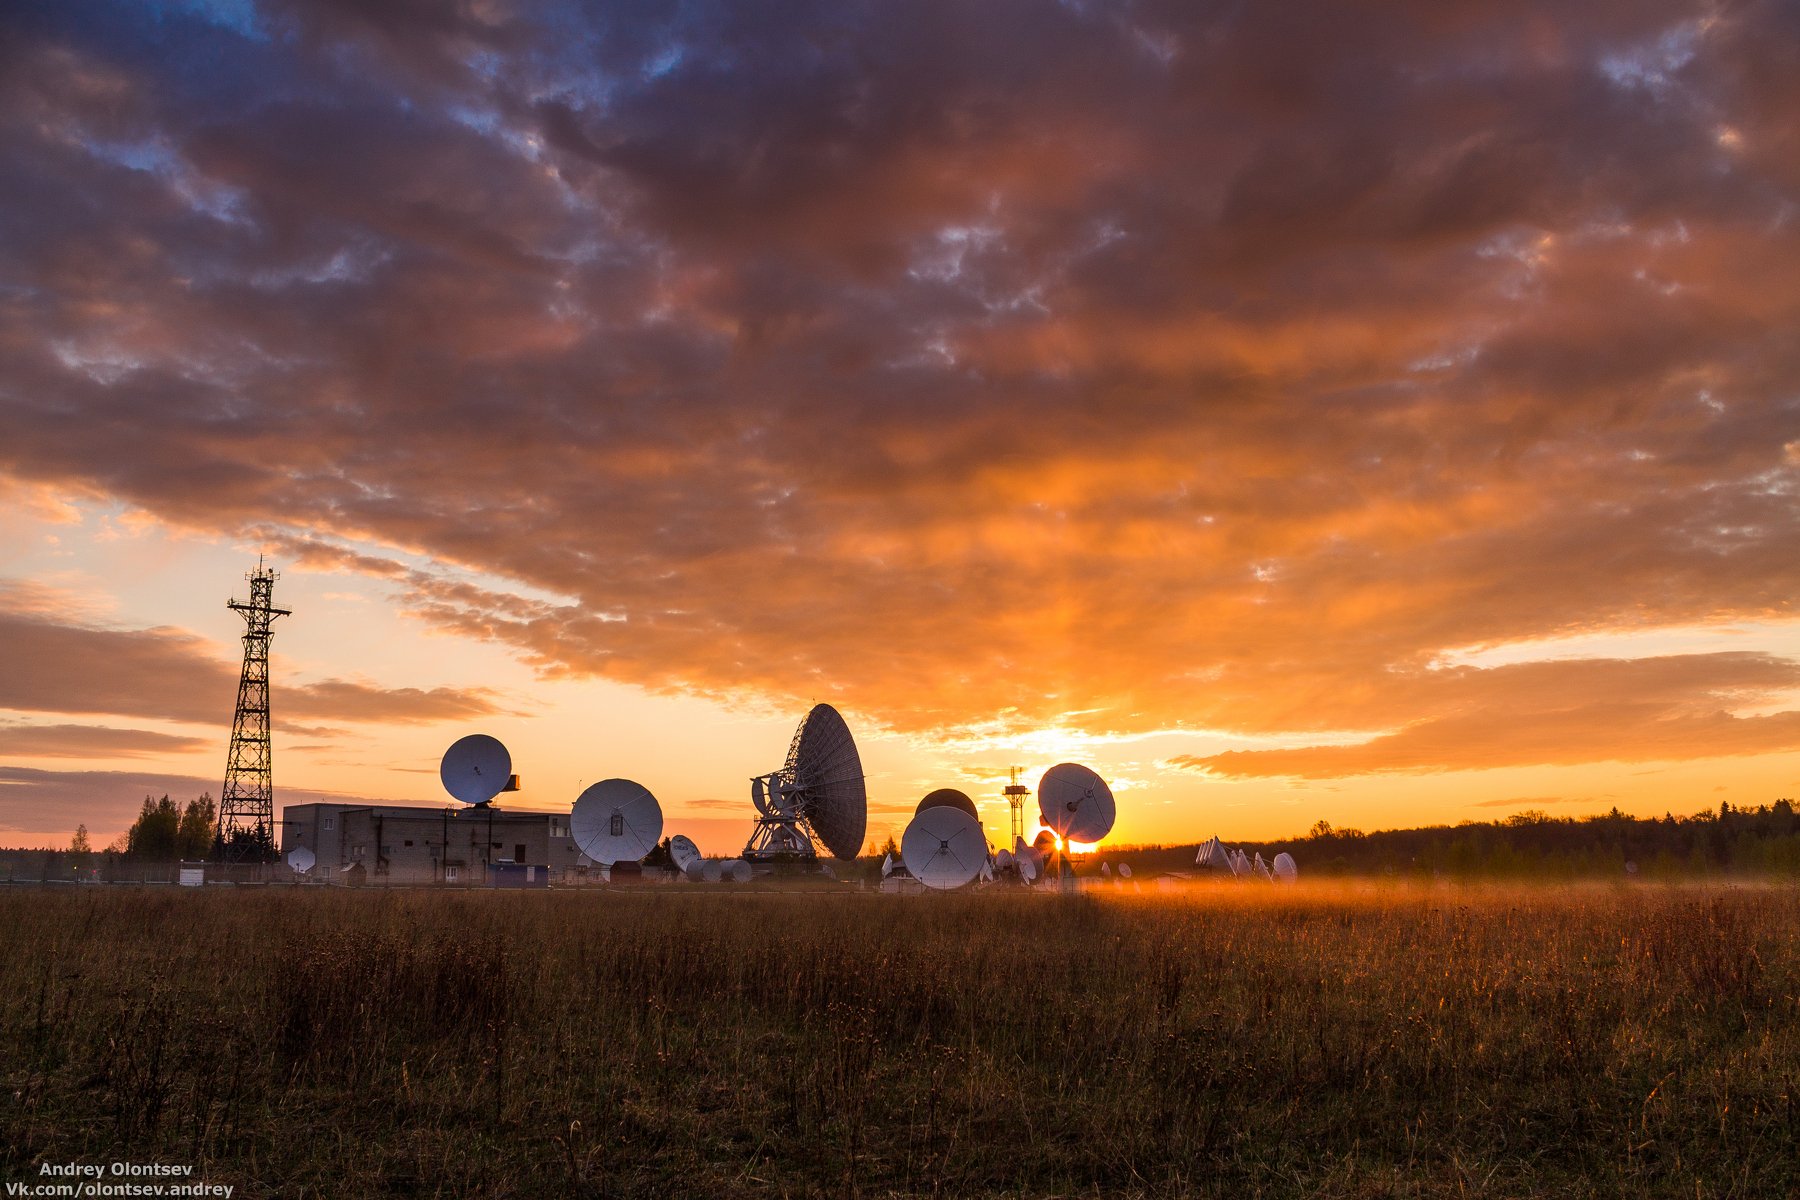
[817, 794]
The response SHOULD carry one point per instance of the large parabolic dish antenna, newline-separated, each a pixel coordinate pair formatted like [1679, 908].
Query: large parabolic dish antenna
[615, 821]
[476, 768]
[1076, 803]
[301, 860]
[818, 793]
[949, 798]
[943, 848]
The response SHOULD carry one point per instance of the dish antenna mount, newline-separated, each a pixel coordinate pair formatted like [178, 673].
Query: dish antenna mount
[818, 795]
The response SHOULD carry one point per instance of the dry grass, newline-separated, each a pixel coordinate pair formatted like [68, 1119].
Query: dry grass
[687, 1041]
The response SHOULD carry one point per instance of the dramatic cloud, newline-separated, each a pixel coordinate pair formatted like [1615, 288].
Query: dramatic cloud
[1174, 365]
[1554, 713]
[169, 674]
[34, 803]
[92, 741]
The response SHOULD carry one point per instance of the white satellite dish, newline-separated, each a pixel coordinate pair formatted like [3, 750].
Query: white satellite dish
[1285, 870]
[712, 871]
[683, 853]
[987, 872]
[1106, 870]
[1076, 803]
[476, 768]
[735, 871]
[1003, 860]
[616, 820]
[301, 860]
[887, 866]
[1124, 870]
[1214, 856]
[943, 848]
[1259, 866]
[1031, 865]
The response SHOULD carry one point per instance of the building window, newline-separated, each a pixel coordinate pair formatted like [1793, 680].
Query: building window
[450, 874]
[407, 843]
[519, 852]
[330, 823]
[386, 850]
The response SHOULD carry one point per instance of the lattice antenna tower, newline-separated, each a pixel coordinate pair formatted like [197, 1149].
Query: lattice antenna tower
[1015, 798]
[247, 801]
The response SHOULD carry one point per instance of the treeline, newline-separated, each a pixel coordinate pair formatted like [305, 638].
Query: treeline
[1744, 841]
[1761, 841]
[168, 832]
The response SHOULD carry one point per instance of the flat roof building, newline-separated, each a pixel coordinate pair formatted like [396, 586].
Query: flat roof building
[395, 844]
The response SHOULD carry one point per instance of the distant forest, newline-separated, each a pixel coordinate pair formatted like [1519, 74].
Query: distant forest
[1735, 841]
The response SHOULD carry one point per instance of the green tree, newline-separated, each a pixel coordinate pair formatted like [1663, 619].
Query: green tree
[81, 851]
[194, 835]
[155, 834]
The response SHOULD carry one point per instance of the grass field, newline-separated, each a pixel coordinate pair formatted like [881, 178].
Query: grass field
[689, 1041]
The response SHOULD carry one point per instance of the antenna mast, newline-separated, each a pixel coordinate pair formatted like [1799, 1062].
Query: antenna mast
[1015, 797]
[247, 801]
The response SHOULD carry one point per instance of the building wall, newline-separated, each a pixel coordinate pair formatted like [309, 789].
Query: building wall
[397, 844]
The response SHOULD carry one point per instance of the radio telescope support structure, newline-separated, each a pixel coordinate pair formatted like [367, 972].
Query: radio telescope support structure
[1015, 799]
[247, 801]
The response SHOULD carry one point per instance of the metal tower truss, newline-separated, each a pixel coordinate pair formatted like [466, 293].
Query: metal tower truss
[1016, 793]
[247, 801]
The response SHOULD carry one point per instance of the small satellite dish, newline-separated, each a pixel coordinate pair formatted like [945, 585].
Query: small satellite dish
[712, 871]
[1124, 870]
[943, 848]
[1076, 803]
[987, 872]
[1003, 860]
[682, 852]
[616, 820]
[735, 871]
[887, 866]
[1259, 866]
[476, 768]
[301, 860]
[948, 798]
[1631, 868]
[1030, 865]
[1106, 870]
[1285, 871]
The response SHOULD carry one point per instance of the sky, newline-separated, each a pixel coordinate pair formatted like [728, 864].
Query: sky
[1384, 413]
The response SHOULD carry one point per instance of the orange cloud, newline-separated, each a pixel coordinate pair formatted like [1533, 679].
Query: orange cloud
[961, 365]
